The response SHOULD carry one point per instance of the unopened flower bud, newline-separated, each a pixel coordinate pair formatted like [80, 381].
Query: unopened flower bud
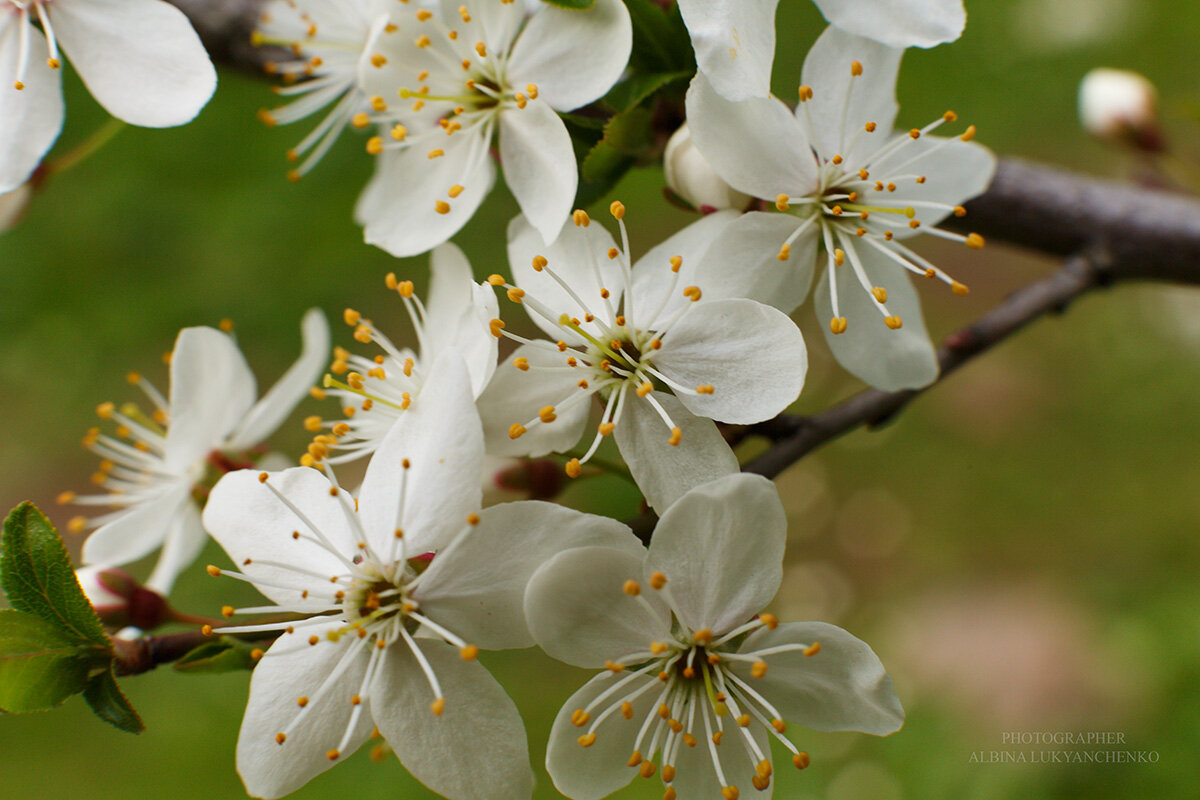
[508, 479]
[1120, 106]
[692, 178]
[13, 204]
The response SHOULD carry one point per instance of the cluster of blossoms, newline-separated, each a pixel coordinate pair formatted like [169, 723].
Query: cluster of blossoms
[391, 591]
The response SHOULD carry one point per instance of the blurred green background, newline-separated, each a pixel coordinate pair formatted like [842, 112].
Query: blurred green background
[1020, 547]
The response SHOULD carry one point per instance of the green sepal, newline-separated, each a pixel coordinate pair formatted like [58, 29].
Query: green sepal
[574, 5]
[110, 704]
[40, 665]
[37, 577]
[226, 654]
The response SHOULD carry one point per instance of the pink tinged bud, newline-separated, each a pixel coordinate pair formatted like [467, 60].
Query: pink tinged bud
[13, 204]
[120, 600]
[532, 479]
[691, 178]
[1120, 106]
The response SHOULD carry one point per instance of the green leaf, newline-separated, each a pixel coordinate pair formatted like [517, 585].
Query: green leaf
[226, 654]
[36, 575]
[660, 39]
[632, 132]
[110, 704]
[629, 93]
[40, 665]
[578, 5]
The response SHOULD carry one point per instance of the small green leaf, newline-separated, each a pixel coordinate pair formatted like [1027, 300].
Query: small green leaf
[226, 654]
[110, 704]
[577, 5]
[40, 665]
[629, 93]
[36, 575]
[631, 133]
[660, 39]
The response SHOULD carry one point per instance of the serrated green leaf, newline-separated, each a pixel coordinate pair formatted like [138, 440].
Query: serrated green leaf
[660, 39]
[40, 665]
[225, 654]
[629, 93]
[36, 575]
[632, 132]
[110, 704]
[577, 5]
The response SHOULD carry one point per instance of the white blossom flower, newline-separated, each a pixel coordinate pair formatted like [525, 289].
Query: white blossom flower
[139, 58]
[845, 184]
[734, 40]
[624, 334]
[1118, 105]
[376, 391]
[689, 175]
[465, 76]
[397, 591]
[152, 468]
[696, 681]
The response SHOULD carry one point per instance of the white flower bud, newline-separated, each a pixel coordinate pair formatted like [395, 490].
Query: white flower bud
[13, 204]
[690, 176]
[1121, 106]
[102, 598]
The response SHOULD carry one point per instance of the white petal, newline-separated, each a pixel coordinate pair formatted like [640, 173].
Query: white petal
[898, 23]
[539, 164]
[399, 206]
[139, 530]
[579, 256]
[756, 145]
[734, 42]
[212, 389]
[292, 387]
[839, 121]
[476, 749]
[743, 261]
[250, 522]
[31, 118]
[590, 773]
[441, 438]
[694, 773]
[457, 313]
[516, 396]
[664, 472]
[579, 612]
[139, 58]
[751, 354]
[842, 688]
[886, 359]
[477, 589]
[183, 543]
[721, 548]
[954, 170]
[573, 57]
[652, 276]
[496, 24]
[292, 669]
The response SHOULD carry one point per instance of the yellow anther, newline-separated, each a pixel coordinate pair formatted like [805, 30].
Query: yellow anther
[730, 792]
[880, 294]
[806, 93]
[705, 388]
[531, 89]
[521, 363]
[481, 49]
[837, 159]
[469, 653]
[462, 12]
[574, 470]
[105, 410]
[812, 649]
[77, 524]
[617, 209]
[669, 794]
[333, 755]
[676, 436]
[436, 152]
[647, 769]
[579, 717]
[227, 612]
[438, 706]
[581, 218]
[206, 630]
[627, 710]
[64, 498]
[959, 289]
[770, 620]
[375, 145]
[781, 202]
[703, 637]
[914, 224]
[759, 782]
[968, 134]
[744, 721]
[779, 725]
[632, 588]
[801, 760]
[693, 293]
[856, 68]
[546, 414]
[869, 128]
[423, 41]
[606, 428]
[645, 389]
[520, 99]
[839, 257]
[280, 738]
[668, 772]
[399, 132]
[587, 740]
[441, 207]
[758, 669]
[424, 14]
[539, 263]
[895, 323]
[516, 430]
[785, 251]
[634, 759]
[974, 241]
